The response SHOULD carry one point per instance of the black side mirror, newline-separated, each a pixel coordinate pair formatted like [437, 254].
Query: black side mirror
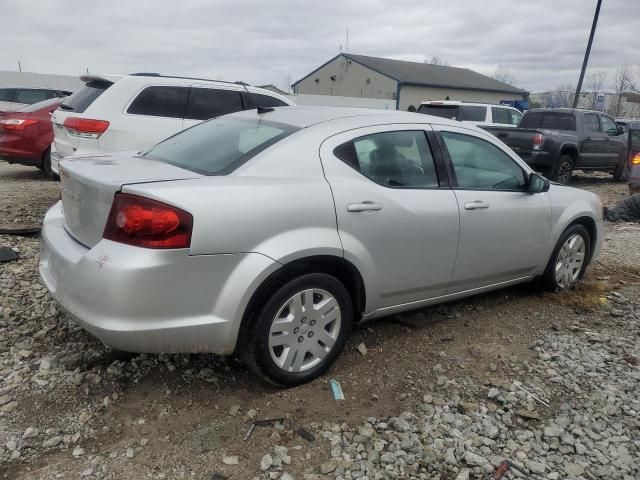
[538, 184]
[613, 131]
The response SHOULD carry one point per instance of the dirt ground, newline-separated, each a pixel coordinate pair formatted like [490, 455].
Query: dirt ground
[177, 416]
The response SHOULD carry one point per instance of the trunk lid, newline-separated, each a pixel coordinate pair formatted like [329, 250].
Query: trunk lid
[89, 183]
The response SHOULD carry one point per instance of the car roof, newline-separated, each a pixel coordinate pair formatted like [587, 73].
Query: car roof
[306, 116]
[458, 102]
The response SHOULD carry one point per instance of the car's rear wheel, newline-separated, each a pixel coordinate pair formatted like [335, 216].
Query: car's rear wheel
[569, 259]
[46, 165]
[299, 330]
[563, 170]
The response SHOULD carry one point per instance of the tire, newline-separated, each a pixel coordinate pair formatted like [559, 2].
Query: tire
[46, 165]
[564, 269]
[287, 362]
[563, 170]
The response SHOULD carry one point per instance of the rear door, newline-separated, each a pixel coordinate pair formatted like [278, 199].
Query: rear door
[504, 230]
[207, 102]
[397, 217]
[593, 149]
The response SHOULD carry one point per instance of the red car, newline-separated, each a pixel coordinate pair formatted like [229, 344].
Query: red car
[26, 134]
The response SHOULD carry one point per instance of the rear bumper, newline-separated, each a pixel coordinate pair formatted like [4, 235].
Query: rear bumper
[144, 300]
[55, 162]
[15, 149]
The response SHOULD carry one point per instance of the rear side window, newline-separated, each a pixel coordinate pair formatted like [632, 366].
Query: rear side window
[6, 94]
[82, 98]
[30, 96]
[160, 101]
[392, 159]
[591, 123]
[219, 146]
[266, 100]
[473, 114]
[549, 121]
[206, 103]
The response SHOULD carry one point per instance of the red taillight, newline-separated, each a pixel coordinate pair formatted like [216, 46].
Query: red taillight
[538, 140]
[85, 127]
[16, 124]
[147, 223]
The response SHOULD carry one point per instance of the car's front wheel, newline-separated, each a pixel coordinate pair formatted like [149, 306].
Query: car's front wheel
[569, 259]
[299, 330]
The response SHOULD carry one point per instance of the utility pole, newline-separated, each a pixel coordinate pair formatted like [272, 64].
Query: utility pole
[19, 66]
[586, 54]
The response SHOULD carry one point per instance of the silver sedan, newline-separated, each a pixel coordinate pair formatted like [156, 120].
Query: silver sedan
[273, 232]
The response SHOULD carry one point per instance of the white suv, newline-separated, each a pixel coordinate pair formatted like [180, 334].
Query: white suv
[478, 114]
[134, 112]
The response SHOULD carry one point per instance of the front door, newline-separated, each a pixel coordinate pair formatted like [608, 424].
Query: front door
[397, 218]
[616, 144]
[504, 230]
[592, 151]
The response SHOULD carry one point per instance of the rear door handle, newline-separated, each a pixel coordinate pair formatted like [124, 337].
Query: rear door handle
[477, 205]
[366, 206]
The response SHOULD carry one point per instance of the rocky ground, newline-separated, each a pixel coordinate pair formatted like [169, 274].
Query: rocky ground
[548, 382]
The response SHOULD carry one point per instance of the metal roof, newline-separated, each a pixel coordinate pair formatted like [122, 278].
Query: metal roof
[425, 74]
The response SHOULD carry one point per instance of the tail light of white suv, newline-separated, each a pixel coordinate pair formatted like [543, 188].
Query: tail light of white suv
[85, 127]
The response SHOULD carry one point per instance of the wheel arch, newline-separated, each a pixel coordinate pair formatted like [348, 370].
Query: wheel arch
[333, 265]
[570, 150]
[590, 224]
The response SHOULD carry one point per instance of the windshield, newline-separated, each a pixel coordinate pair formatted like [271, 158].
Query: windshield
[220, 145]
[470, 113]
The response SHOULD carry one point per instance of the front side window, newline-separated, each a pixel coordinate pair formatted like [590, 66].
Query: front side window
[392, 159]
[591, 123]
[501, 115]
[267, 100]
[220, 145]
[206, 103]
[480, 165]
[160, 101]
[515, 116]
[609, 126]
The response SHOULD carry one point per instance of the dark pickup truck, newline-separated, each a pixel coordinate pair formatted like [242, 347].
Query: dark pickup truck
[555, 141]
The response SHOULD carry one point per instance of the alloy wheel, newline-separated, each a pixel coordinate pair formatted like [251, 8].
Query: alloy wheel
[305, 330]
[570, 260]
[564, 173]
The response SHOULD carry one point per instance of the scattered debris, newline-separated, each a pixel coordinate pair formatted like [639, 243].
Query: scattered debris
[519, 385]
[306, 434]
[21, 231]
[336, 389]
[7, 255]
[262, 423]
[362, 348]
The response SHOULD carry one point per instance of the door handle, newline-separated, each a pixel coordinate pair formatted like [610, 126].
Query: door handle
[477, 205]
[366, 206]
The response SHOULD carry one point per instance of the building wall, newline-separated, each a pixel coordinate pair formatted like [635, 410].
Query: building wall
[339, 101]
[414, 95]
[40, 80]
[351, 81]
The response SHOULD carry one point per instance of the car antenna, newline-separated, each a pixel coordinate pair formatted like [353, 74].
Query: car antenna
[262, 110]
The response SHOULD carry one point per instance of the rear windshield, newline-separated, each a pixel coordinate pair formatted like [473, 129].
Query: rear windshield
[37, 106]
[81, 99]
[456, 112]
[549, 120]
[218, 146]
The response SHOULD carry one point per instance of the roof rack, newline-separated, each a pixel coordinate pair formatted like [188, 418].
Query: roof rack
[153, 74]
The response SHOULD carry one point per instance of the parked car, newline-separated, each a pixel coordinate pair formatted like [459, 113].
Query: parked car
[556, 141]
[133, 112]
[626, 122]
[478, 114]
[273, 233]
[26, 134]
[12, 99]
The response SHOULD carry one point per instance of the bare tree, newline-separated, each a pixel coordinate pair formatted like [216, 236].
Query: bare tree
[436, 61]
[563, 96]
[595, 85]
[622, 83]
[505, 75]
[286, 83]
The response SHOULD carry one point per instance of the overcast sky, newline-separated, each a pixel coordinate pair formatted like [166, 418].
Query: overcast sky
[541, 41]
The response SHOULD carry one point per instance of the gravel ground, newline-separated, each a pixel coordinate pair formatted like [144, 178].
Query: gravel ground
[548, 382]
